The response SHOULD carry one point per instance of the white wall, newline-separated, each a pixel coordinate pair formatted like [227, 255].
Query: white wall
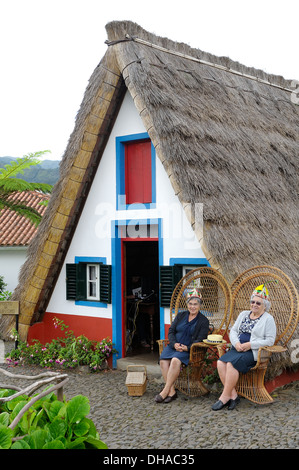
[11, 261]
[93, 233]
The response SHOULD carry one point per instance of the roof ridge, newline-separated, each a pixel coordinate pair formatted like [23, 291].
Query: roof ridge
[200, 61]
[124, 31]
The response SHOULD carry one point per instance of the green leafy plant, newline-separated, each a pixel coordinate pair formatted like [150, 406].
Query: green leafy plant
[4, 294]
[47, 424]
[2, 284]
[10, 184]
[210, 372]
[67, 352]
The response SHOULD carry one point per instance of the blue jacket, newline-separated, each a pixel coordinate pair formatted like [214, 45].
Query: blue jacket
[200, 332]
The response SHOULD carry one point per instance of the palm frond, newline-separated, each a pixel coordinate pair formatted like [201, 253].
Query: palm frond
[18, 166]
[9, 184]
[21, 209]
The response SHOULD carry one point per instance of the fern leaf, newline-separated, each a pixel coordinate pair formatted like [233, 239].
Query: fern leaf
[23, 210]
[42, 187]
[11, 185]
[18, 166]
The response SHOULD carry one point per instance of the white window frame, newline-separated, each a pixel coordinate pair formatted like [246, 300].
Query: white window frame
[95, 281]
[186, 269]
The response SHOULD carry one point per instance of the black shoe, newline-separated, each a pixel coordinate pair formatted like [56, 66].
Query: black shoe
[219, 405]
[159, 399]
[170, 398]
[233, 403]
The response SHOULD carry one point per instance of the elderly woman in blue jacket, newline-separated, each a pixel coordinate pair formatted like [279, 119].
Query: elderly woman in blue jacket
[253, 329]
[188, 327]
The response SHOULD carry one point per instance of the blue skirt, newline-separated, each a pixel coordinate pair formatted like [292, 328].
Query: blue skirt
[169, 353]
[242, 361]
[184, 330]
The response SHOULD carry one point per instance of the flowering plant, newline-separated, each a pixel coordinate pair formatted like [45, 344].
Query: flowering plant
[68, 352]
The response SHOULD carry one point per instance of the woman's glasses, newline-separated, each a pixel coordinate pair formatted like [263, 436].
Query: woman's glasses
[255, 302]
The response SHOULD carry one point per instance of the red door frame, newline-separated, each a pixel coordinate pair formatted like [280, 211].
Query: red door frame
[123, 286]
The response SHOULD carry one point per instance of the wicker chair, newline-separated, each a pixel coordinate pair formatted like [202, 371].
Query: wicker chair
[216, 298]
[284, 308]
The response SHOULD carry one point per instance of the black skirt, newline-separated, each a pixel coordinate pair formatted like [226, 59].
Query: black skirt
[242, 361]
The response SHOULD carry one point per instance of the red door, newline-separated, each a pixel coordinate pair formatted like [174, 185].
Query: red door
[138, 173]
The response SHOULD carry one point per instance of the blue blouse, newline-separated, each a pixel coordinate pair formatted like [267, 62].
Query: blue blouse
[246, 328]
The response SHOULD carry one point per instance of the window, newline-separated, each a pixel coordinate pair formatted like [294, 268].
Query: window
[138, 172]
[135, 172]
[186, 270]
[92, 280]
[88, 283]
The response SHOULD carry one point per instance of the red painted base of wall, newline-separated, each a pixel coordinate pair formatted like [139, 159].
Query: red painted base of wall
[285, 378]
[93, 328]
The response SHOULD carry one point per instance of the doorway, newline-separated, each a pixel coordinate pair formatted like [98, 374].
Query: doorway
[140, 282]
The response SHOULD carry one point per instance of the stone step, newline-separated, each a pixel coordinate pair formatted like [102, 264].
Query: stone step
[150, 361]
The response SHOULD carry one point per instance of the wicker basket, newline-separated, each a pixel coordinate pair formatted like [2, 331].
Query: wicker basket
[136, 380]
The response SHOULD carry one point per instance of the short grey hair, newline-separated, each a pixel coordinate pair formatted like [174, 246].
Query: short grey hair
[267, 303]
[196, 298]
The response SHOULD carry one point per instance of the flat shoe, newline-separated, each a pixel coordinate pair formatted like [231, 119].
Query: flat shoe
[219, 405]
[233, 403]
[159, 399]
[170, 398]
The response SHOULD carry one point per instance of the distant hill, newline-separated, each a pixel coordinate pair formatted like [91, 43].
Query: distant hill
[45, 172]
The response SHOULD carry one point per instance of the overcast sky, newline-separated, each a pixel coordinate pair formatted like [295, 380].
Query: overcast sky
[49, 49]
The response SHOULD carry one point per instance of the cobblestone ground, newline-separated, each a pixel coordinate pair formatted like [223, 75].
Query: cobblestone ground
[126, 422]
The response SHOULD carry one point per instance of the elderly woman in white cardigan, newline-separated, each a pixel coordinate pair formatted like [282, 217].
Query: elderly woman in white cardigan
[253, 328]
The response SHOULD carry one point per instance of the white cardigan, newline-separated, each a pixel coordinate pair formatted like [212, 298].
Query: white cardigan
[263, 333]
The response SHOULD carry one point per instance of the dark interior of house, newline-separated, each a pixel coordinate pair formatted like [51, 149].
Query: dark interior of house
[142, 296]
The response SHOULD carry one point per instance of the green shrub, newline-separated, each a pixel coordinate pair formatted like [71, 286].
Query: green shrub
[48, 424]
[4, 294]
[210, 372]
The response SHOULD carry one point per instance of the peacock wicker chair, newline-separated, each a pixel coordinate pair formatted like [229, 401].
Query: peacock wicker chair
[284, 309]
[216, 297]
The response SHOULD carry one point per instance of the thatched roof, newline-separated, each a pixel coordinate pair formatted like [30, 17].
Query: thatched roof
[226, 140]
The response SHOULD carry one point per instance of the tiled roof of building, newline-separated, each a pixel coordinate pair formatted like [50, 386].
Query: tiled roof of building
[17, 230]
